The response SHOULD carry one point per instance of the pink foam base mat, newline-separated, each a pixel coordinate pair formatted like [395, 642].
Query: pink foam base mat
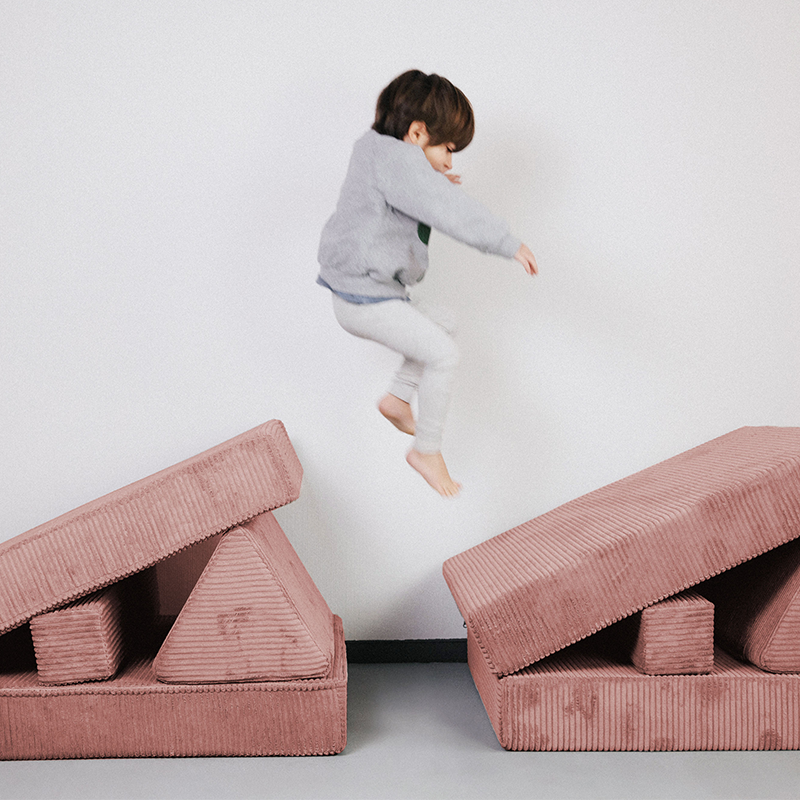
[134, 715]
[579, 700]
[139, 525]
[572, 571]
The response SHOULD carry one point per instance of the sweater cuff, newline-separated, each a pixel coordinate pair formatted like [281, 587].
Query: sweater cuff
[509, 246]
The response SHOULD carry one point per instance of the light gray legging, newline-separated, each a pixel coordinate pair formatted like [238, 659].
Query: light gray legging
[429, 351]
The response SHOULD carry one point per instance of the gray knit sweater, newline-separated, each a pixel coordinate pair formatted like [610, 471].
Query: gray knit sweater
[376, 242]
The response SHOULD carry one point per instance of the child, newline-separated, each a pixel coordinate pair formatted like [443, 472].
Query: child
[374, 248]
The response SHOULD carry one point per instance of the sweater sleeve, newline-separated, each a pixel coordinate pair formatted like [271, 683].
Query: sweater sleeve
[411, 185]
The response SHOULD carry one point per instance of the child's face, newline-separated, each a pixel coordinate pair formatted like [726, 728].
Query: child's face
[440, 156]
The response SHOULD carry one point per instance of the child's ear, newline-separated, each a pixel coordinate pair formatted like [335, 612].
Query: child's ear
[417, 133]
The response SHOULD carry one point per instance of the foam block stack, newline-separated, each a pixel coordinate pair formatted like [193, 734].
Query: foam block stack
[535, 590]
[237, 686]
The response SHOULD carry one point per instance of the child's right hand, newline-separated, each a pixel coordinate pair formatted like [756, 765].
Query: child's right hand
[525, 257]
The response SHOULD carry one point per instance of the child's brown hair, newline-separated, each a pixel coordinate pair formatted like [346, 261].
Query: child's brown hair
[432, 99]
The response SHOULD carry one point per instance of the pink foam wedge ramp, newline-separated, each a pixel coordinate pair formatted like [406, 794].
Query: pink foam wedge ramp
[560, 577]
[132, 528]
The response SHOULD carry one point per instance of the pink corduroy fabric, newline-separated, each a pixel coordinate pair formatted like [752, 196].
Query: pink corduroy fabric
[254, 615]
[758, 609]
[552, 581]
[135, 716]
[79, 642]
[132, 528]
[675, 636]
[581, 700]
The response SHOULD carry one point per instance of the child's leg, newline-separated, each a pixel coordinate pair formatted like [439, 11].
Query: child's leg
[431, 355]
[406, 381]
[398, 412]
[396, 404]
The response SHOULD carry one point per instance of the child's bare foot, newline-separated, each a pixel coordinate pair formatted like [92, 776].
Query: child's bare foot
[432, 467]
[398, 412]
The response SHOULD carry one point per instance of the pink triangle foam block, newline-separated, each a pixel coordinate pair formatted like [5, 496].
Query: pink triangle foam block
[675, 636]
[79, 642]
[539, 587]
[758, 609]
[135, 716]
[133, 528]
[581, 700]
[254, 615]
[176, 576]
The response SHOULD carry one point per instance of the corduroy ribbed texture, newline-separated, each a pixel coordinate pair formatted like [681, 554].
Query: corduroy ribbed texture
[134, 715]
[133, 528]
[254, 615]
[577, 700]
[79, 642]
[758, 609]
[539, 587]
[675, 636]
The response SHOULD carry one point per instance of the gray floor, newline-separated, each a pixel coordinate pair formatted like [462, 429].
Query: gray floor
[416, 731]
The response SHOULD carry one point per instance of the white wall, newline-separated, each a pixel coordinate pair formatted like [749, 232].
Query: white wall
[165, 170]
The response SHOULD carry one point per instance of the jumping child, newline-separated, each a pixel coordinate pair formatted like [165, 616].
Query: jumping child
[375, 246]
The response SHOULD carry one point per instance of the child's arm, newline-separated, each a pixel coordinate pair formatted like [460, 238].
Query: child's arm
[410, 185]
[524, 254]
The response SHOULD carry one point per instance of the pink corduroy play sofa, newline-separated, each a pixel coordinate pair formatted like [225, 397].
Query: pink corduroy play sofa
[661, 612]
[172, 618]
